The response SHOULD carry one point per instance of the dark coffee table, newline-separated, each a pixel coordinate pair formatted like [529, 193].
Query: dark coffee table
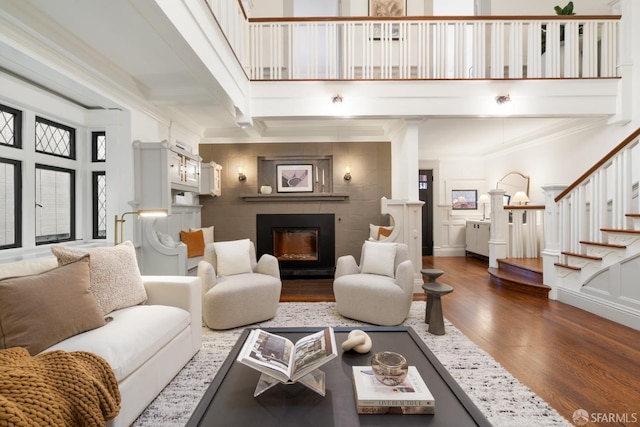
[229, 399]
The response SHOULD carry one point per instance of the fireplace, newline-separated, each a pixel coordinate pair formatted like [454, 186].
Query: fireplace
[304, 244]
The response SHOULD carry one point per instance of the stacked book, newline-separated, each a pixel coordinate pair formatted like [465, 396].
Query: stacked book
[412, 396]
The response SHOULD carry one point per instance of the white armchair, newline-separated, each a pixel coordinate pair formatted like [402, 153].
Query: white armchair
[237, 289]
[380, 289]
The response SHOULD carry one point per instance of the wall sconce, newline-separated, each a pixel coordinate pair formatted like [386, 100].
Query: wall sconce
[241, 176]
[347, 174]
[117, 237]
[502, 99]
[337, 99]
[520, 198]
[483, 200]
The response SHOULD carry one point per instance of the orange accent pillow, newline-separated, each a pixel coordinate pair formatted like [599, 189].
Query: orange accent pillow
[384, 232]
[194, 241]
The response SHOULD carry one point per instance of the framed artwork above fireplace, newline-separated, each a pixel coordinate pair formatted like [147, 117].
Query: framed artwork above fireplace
[294, 178]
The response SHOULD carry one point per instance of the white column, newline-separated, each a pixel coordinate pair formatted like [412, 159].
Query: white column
[551, 251]
[499, 227]
[407, 218]
[405, 161]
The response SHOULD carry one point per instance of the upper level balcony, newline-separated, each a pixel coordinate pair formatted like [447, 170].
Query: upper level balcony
[563, 66]
[425, 47]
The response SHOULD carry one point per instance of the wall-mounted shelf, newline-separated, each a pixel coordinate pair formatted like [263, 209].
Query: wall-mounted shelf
[289, 197]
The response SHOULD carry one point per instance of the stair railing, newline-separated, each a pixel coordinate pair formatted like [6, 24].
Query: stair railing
[600, 198]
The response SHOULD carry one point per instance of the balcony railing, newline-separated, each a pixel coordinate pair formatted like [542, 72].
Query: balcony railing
[367, 48]
[428, 48]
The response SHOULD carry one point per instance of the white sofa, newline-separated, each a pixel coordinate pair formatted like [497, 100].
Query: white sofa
[146, 345]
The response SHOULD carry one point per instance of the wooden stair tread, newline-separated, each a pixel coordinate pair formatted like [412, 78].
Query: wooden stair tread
[568, 266]
[522, 275]
[502, 274]
[620, 230]
[577, 255]
[606, 245]
[529, 264]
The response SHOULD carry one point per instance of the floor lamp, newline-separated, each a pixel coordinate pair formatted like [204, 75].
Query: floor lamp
[118, 230]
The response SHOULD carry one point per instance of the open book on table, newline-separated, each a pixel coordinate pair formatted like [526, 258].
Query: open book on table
[280, 358]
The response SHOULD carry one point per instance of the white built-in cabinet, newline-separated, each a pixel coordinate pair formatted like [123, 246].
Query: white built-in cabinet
[164, 175]
[477, 236]
[161, 171]
[184, 170]
[211, 179]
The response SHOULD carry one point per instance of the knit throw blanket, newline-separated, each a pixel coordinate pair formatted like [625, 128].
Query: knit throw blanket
[57, 388]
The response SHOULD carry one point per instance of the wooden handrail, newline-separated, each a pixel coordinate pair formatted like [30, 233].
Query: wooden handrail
[600, 163]
[244, 12]
[524, 207]
[438, 18]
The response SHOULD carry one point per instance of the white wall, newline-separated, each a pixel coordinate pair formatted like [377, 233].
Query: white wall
[279, 8]
[453, 7]
[545, 7]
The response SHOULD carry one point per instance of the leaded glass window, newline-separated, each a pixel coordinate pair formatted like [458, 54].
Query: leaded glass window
[55, 139]
[98, 146]
[99, 205]
[10, 126]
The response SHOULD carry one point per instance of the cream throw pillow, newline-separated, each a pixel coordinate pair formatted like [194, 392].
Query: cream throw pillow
[115, 277]
[207, 232]
[379, 258]
[40, 310]
[379, 232]
[166, 240]
[233, 257]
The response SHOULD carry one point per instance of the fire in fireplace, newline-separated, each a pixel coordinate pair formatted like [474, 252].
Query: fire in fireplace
[295, 245]
[303, 243]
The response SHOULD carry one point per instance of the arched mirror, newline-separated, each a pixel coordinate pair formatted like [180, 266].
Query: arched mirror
[512, 183]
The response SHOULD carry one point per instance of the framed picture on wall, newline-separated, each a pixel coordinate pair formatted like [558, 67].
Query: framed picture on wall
[294, 178]
[382, 8]
[464, 199]
[387, 8]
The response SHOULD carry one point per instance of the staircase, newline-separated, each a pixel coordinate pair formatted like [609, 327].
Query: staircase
[520, 274]
[592, 243]
[620, 245]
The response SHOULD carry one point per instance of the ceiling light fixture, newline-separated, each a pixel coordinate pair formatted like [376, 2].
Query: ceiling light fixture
[337, 99]
[502, 99]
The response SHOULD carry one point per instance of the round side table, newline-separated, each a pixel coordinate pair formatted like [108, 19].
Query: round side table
[431, 273]
[433, 315]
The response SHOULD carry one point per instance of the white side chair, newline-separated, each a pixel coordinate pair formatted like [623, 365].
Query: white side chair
[237, 290]
[380, 289]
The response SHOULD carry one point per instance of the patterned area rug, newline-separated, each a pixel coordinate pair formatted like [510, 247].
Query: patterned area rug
[501, 397]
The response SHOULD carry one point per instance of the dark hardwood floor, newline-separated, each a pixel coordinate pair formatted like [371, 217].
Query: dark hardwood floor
[570, 358]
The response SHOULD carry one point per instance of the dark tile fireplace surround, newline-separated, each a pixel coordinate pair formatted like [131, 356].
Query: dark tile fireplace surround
[303, 243]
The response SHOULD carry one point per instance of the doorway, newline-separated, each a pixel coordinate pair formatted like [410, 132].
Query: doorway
[425, 194]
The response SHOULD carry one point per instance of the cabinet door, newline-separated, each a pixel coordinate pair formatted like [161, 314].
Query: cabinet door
[483, 235]
[191, 175]
[470, 237]
[175, 167]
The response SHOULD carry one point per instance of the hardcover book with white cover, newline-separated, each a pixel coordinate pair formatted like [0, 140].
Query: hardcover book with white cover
[412, 396]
